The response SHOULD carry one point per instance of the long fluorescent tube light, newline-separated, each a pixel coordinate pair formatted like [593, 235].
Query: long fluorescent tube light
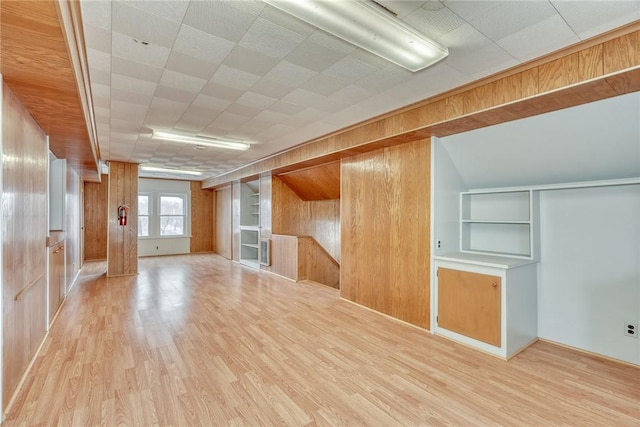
[363, 24]
[166, 170]
[198, 140]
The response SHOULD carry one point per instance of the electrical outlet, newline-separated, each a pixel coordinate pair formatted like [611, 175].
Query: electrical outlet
[439, 244]
[631, 329]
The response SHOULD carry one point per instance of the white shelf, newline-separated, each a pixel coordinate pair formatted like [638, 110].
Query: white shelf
[502, 223]
[250, 245]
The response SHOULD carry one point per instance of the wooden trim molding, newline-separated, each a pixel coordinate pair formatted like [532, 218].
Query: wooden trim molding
[24, 290]
[596, 69]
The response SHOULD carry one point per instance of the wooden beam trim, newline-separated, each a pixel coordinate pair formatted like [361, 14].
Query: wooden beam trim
[374, 134]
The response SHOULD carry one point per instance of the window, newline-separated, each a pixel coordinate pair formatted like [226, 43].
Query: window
[163, 215]
[143, 215]
[172, 215]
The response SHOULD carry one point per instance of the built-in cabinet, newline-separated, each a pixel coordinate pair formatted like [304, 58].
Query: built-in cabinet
[250, 223]
[487, 301]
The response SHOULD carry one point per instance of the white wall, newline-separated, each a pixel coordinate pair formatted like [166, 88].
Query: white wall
[166, 245]
[589, 271]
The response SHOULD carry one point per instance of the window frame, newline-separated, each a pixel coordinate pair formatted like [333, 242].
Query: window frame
[149, 197]
[154, 215]
[185, 216]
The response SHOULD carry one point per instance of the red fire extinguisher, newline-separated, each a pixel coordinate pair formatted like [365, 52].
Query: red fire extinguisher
[123, 212]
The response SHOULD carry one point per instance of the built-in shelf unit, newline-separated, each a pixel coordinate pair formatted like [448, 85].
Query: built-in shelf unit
[503, 223]
[250, 223]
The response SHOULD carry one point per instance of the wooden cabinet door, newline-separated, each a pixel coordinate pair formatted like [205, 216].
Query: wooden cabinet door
[469, 304]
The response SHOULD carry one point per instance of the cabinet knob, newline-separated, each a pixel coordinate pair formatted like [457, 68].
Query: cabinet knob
[494, 284]
[61, 248]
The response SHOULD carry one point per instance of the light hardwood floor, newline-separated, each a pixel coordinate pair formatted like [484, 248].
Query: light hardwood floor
[198, 340]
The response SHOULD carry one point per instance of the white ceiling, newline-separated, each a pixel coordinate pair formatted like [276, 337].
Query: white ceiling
[247, 71]
[591, 142]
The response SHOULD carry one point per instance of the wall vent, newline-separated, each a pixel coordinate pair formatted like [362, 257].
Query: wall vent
[265, 252]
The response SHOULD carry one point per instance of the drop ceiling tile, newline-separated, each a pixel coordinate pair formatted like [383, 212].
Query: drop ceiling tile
[189, 65]
[511, 17]
[201, 45]
[173, 10]
[471, 9]
[289, 74]
[135, 70]
[384, 79]
[250, 60]
[285, 108]
[125, 47]
[234, 78]
[124, 127]
[211, 103]
[99, 60]
[270, 88]
[284, 20]
[589, 18]
[304, 98]
[243, 110]
[434, 21]
[131, 97]
[143, 26]
[174, 94]
[329, 41]
[181, 81]
[226, 121]
[221, 91]
[544, 37]
[314, 56]
[100, 91]
[255, 100]
[322, 84]
[132, 85]
[349, 69]
[270, 39]
[483, 61]
[161, 104]
[128, 111]
[277, 131]
[191, 124]
[96, 14]
[219, 18]
[98, 38]
[268, 118]
[101, 77]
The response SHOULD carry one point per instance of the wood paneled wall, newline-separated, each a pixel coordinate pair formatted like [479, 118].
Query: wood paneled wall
[315, 183]
[223, 215]
[202, 218]
[284, 256]
[122, 248]
[24, 232]
[319, 219]
[596, 69]
[385, 231]
[314, 263]
[96, 197]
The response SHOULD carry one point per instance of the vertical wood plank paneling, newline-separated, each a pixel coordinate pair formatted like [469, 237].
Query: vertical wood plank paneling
[284, 256]
[507, 89]
[530, 82]
[621, 53]
[201, 218]
[24, 231]
[223, 222]
[95, 210]
[591, 62]
[122, 252]
[559, 73]
[478, 99]
[324, 225]
[315, 183]
[385, 231]
[454, 106]
[314, 263]
[235, 221]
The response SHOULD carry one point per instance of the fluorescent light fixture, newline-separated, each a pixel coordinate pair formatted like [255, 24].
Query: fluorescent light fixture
[166, 170]
[365, 25]
[198, 140]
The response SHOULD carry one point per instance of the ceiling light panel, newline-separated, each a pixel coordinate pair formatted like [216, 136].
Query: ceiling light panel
[167, 170]
[369, 28]
[198, 140]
